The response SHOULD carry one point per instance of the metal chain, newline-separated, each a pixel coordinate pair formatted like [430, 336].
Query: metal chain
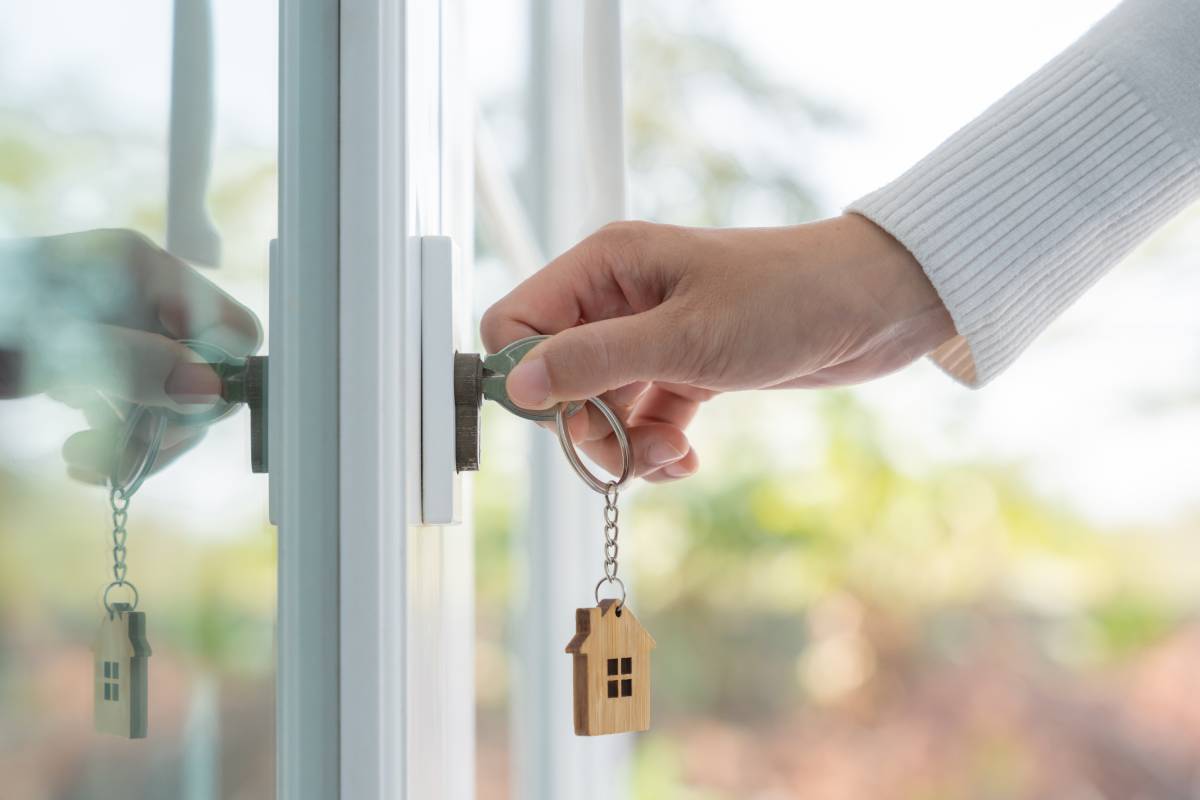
[118, 501]
[611, 515]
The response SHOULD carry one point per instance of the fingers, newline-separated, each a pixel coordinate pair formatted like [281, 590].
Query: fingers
[669, 403]
[591, 359]
[683, 468]
[121, 278]
[190, 306]
[139, 367]
[660, 448]
[89, 454]
[675, 406]
[608, 274]
[653, 446]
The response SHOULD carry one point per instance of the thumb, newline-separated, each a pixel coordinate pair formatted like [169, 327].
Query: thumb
[590, 359]
[133, 365]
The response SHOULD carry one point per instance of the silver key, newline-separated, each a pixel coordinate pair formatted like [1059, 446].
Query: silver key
[496, 368]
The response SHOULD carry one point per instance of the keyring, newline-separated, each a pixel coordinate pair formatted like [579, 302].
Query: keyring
[218, 358]
[568, 447]
[617, 581]
[115, 584]
[127, 488]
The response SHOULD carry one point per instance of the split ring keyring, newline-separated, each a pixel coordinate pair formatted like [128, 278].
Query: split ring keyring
[568, 447]
[126, 488]
[160, 417]
[108, 606]
[615, 580]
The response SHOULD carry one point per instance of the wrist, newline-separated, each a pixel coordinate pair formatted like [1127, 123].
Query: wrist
[907, 304]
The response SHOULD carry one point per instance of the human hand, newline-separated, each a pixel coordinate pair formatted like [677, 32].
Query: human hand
[93, 319]
[657, 319]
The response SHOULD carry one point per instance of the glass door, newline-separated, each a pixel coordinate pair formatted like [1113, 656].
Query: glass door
[137, 199]
[290, 161]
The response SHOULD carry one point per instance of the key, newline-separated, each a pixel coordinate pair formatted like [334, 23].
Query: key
[496, 368]
[476, 379]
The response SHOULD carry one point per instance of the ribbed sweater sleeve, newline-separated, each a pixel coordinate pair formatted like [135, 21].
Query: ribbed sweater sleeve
[1018, 213]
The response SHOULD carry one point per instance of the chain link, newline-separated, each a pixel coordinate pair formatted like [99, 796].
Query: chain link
[611, 515]
[118, 501]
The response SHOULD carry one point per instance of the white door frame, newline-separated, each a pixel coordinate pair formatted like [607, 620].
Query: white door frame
[303, 402]
[376, 631]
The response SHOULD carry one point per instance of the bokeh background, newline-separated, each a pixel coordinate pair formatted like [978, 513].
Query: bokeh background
[908, 589]
[904, 590]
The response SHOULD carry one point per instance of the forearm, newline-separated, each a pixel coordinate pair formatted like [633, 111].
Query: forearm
[1027, 206]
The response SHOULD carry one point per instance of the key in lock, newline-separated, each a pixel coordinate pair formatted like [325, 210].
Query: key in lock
[244, 380]
[478, 378]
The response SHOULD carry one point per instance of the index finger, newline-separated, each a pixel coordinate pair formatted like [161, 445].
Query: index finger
[606, 275]
[119, 277]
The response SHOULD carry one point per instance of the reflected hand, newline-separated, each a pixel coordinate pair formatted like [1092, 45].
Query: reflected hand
[656, 319]
[93, 319]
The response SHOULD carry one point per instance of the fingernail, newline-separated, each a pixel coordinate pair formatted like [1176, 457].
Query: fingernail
[529, 384]
[662, 453]
[677, 470]
[193, 383]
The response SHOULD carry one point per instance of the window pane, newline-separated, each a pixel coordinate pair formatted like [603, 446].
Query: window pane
[612, 666]
[626, 666]
[626, 688]
[84, 130]
[612, 688]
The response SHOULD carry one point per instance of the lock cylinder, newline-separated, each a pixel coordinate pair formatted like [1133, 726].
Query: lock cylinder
[468, 399]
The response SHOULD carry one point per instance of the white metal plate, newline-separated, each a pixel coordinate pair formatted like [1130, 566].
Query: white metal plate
[441, 491]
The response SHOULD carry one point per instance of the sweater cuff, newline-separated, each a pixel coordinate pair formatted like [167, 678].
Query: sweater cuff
[1018, 213]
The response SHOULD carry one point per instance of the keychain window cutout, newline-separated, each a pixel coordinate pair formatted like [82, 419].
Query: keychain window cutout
[112, 671]
[620, 688]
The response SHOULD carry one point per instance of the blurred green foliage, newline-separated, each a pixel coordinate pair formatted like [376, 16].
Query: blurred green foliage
[209, 593]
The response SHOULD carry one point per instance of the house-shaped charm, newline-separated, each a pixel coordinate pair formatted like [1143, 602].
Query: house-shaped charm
[120, 670]
[611, 654]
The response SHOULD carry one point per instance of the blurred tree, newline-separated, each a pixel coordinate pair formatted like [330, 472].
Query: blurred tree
[683, 71]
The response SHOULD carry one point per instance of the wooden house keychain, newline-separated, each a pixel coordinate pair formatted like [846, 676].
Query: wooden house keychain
[610, 650]
[121, 651]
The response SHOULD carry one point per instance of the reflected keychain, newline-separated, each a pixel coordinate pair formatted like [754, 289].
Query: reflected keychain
[121, 651]
[610, 650]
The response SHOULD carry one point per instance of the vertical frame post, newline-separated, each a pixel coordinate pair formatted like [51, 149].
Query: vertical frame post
[575, 185]
[406, 610]
[304, 402]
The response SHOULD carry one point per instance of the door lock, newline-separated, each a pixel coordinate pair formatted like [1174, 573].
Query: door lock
[483, 378]
[244, 380]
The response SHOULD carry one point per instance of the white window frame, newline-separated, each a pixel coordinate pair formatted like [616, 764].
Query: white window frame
[375, 153]
[369, 601]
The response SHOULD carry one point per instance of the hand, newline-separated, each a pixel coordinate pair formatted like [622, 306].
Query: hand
[93, 319]
[656, 319]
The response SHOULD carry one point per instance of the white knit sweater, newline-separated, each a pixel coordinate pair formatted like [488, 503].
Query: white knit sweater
[1018, 213]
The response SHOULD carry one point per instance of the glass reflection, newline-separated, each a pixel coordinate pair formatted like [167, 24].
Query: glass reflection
[91, 311]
